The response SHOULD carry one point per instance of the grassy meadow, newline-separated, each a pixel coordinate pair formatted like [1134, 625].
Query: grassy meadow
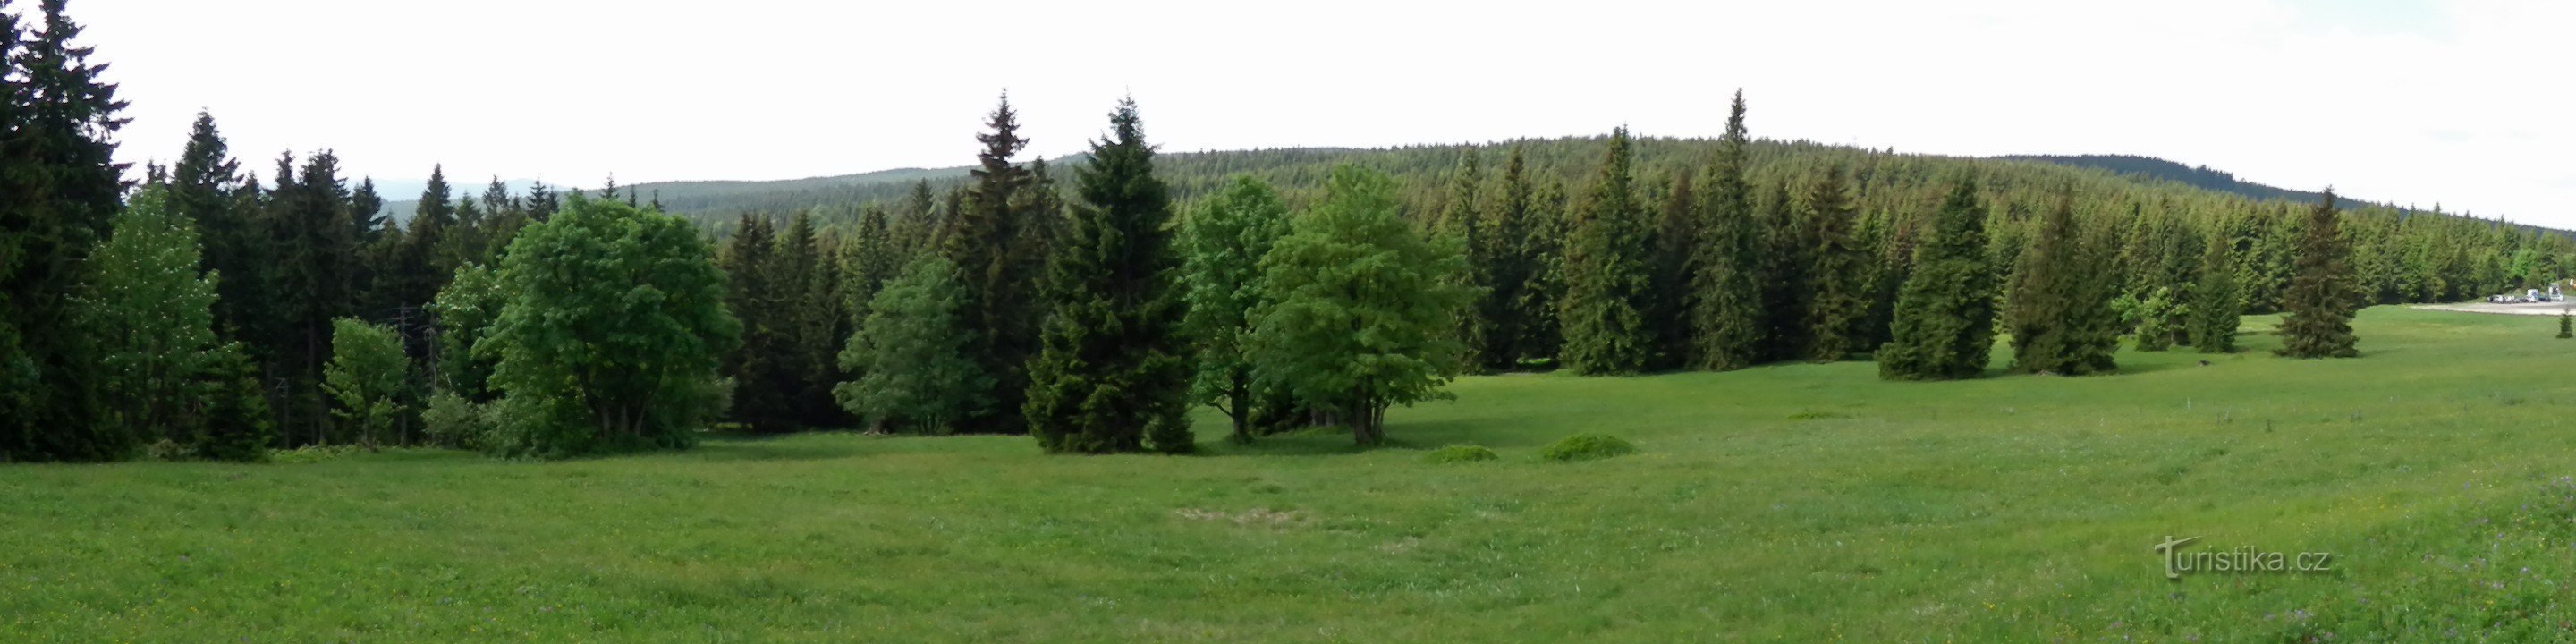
[1797, 503]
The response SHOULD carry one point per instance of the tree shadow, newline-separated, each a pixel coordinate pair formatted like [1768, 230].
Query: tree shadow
[784, 447]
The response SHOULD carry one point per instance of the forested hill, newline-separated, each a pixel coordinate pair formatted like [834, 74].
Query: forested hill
[2202, 177]
[1423, 170]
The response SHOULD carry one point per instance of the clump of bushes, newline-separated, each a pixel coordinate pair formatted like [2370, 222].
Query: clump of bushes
[1460, 454]
[1587, 447]
[454, 421]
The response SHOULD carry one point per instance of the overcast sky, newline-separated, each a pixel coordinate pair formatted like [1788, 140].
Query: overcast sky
[2459, 102]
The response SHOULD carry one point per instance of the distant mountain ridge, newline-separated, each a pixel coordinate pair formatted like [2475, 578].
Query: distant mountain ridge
[2202, 177]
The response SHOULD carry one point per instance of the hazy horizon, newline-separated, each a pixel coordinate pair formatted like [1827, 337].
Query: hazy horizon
[2413, 102]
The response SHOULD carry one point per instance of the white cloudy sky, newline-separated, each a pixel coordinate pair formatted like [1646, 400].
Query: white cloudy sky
[2410, 101]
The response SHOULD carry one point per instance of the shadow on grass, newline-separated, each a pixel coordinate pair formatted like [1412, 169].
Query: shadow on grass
[782, 447]
[1399, 435]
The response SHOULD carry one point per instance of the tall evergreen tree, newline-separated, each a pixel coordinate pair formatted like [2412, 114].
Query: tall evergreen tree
[808, 319]
[1113, 372]
[1512, 307]
[318, 253]
[870, 256]
[762, 366]
[1461, 217]
[59, 184]
[1945, 314]
[1223, 243]
[1607, 276]
[1786, 284]
[995, 240]
[2059, 303]
[2320, 299]
[2215, 309]
[1676, 243]
[1726, 309]
[1839, 303]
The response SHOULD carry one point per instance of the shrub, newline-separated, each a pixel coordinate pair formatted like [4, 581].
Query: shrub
[1587, 447]
[1460, 454]
[453, 421]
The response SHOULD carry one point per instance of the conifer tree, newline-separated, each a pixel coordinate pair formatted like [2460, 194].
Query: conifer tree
[2215, 309]
[205, 188]
[1726, 313]
[1945, 318]
[1359, 310]
[1542, 302]
[1607, 276]
[761, 366]
[1786, 284]
[2058, 303]
[1223, 242]
[1113, 373]
[1513, 308]
[2320, 299]
[869, 258]
[2566, 324]
[996, 242]
[1839, 303]
[1461, 217]
[59, 184]
[318, 254]
[1676, 240]
[810, 318]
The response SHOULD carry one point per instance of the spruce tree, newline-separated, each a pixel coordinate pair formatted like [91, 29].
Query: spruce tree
[1607, 277]
[1113, 374]
[1676, 241]
[2057, 315]
[870, 256]
[2216, 308]
[995, 240]
[1513, 308]
[810, 320]
[1461, 218]
[1223, 242]
[761, 366]
[1726, 312]
[318, 254]
[1839, 304]
[206, 188]
[1786, 285]
[2320, 297]
[1944, 326]
[61, 183]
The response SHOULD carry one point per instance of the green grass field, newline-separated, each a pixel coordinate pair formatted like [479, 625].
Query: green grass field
[1800, 503]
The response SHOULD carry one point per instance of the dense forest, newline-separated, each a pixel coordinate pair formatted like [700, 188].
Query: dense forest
[203, 310]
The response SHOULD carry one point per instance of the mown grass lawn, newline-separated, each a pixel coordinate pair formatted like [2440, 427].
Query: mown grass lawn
[1802, 503]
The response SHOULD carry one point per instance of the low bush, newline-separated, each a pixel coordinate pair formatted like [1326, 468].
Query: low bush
[1460, 454]
[1587, 447]
[453, 421]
